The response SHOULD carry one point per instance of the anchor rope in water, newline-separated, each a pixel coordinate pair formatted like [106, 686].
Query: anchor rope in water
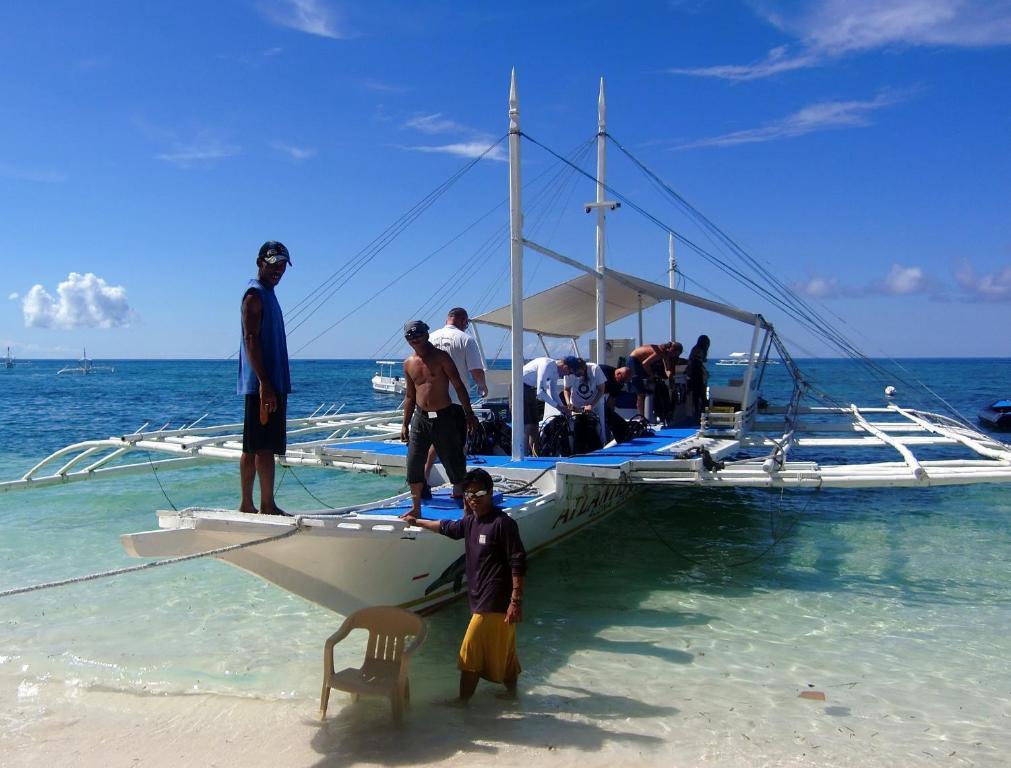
[169, 561]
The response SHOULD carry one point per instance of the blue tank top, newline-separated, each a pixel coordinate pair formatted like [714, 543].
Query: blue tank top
[273, 343]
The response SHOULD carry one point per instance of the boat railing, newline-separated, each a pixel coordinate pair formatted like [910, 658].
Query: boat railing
[189, 446]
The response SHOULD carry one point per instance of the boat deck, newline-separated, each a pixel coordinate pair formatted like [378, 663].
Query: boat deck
[441, 506]
[664, 444]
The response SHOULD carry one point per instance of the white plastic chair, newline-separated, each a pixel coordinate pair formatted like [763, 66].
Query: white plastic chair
[387, 657]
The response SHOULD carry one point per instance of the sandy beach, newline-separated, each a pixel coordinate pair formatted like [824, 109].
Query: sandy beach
[558, 724]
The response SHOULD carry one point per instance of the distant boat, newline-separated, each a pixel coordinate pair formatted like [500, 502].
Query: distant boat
[385, 381]
[8, 361]
[997, 416]
[85, 366]
[741, 358]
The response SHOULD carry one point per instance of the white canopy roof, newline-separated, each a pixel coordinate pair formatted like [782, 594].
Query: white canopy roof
[569, 309]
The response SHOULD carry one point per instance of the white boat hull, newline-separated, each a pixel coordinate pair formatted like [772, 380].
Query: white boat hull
[389, 385]
[348, 562]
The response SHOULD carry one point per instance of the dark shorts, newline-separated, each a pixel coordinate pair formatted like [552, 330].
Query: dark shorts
[639, 378]
[443, 431]
[461, 421]
[271, 436]
[533, 409]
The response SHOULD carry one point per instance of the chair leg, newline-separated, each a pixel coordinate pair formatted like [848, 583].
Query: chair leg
[324, 700]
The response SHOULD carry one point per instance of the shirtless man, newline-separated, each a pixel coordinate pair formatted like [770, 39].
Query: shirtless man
[429, 418]
[644, 362]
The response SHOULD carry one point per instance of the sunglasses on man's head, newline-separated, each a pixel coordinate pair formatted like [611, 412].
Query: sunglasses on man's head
[475, 494]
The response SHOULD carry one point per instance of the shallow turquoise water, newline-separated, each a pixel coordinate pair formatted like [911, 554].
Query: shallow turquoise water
[894, 601]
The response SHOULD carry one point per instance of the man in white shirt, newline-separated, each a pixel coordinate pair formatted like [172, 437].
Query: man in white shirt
[584, 391]
[461, 346]
[540, 385]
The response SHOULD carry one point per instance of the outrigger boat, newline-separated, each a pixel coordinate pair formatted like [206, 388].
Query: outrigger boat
[364, 554]
[384, 379]
[85, 366]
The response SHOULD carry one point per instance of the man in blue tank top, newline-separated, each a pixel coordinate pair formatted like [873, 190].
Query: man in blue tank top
[264, 379]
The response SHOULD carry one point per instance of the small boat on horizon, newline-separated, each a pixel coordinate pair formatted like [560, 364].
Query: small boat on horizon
[741, 359]
[85, 366]
[8, 361]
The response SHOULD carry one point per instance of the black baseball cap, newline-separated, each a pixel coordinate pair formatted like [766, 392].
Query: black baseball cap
[273, 252]
[415, 328]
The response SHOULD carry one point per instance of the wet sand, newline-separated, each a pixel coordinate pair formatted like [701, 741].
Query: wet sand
[559, 725]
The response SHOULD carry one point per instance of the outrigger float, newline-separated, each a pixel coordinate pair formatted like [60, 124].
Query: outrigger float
[365, 554]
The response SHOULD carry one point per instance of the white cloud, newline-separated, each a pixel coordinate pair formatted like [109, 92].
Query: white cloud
[379, 86]
[294, 152]
[13, 296]
[828, 29]
[819, 288]
[815, 117]
[37, 175]
[203, 149]
[995, 286]
[776, 61]
[902, 281]
[474, 143]
[314, 17]
[83, 301]
[470, 149]
[435, 124]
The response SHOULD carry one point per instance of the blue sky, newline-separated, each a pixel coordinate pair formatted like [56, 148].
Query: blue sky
[859, 150]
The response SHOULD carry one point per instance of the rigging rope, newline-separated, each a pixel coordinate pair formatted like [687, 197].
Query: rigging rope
[155, 564]
[779, 294]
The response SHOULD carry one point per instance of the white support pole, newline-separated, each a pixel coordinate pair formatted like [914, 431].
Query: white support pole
[752, 362]
[516, 269]
[641, 342]
[480, 346]
[601, 176]
[672, 280]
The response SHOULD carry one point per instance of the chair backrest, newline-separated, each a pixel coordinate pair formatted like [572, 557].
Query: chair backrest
[389, 627]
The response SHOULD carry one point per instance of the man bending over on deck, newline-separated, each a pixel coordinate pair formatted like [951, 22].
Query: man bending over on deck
[264, 379]
[540, 385]
[428, 413]
[648, 363]
[496, 564]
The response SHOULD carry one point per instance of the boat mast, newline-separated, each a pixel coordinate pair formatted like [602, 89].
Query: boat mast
[516, 269]
[672, 280]
[601, 175]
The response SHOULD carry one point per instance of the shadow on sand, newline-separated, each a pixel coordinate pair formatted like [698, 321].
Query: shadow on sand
[538, 721]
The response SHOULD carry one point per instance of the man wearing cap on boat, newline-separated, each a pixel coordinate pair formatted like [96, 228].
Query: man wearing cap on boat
[540, 386]
[453, 339]
[264, 379]
[429, 418]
